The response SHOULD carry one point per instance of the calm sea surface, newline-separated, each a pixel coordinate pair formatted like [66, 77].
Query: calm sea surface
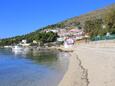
[32, 68]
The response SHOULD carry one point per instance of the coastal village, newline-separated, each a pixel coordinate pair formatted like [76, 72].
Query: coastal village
[67, 37]
[88, 42]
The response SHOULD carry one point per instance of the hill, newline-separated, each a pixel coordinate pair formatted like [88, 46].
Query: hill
[87, 21]
[89, 16]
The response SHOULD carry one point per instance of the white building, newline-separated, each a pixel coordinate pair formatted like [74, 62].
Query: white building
[52, 30]
[68, 43]
[24, 43]
[60, 39]
[35, 42]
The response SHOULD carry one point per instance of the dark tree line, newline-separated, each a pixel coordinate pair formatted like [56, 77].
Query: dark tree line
[38, 36]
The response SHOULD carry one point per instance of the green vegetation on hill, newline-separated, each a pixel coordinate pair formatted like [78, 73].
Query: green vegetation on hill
[41, 37]
[101, 26]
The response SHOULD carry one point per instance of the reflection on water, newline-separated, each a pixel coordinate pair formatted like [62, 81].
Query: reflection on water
[41, 57]
[20, 50]
[32, 68]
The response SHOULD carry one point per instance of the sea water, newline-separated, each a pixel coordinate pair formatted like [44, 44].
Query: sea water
[32, 69]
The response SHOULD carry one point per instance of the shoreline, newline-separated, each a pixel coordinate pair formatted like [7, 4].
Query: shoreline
[76, 74]
[89, 64]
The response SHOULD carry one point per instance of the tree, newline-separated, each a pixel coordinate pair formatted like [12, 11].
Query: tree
[109, 20]
[94, 27]
[47, 37]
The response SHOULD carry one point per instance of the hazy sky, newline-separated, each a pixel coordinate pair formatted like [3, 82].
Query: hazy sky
[23, 16]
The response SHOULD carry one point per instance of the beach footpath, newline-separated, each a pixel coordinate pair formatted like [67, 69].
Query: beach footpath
[99, 60]
[91, 64]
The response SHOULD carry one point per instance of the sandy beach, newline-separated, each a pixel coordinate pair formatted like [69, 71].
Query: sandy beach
[76, 75]
[91, 64]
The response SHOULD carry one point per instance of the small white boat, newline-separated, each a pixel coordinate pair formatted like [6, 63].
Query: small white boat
[20, 49]
[17, 48]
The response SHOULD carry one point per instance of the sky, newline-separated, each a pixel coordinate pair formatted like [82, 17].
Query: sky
[19, 17]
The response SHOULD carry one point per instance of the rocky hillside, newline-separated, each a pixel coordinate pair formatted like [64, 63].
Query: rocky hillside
[80, 20]
[89, 16]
